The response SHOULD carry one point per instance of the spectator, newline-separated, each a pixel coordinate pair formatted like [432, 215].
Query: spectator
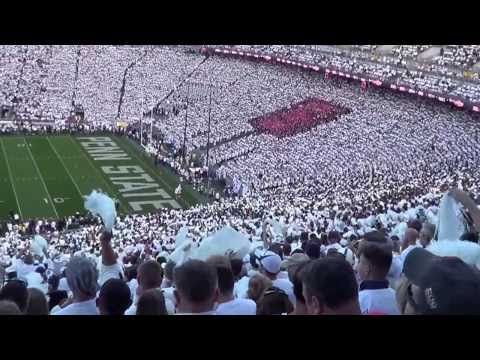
[375, 295]
[257, 286]
[270, 267]
[16, 291]
[149, 276]
[441, 285]
[152, 302]
[55, 296]
[426, 234]
[9, 308]
[274, 302]
[196, 288]
[312, 250]
[300, 306]
[330, 287]
[82, 280]
[114, 297]
[227, 304]
[37, 303]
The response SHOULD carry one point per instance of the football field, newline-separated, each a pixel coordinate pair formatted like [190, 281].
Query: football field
[47, 176]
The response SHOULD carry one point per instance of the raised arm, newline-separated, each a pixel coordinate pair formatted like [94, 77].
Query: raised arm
[109, 257]
[463, 198]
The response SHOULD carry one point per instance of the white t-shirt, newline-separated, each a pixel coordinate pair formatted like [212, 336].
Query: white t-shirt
[378, 300]
[132, 310]
[286, 286]
[63, 285]
[237, 307]
[404, 254]
[88, 307]
[109, 272]
[241, 287]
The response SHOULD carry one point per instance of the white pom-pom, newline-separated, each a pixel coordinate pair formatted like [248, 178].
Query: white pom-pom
[101, 205]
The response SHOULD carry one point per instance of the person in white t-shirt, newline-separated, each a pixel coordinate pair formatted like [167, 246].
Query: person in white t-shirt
[82, 280]
[270, 266]
[196, 288]
[375, 295]
[149, 276]
[227, 303]
[409, 243]
[109, 266]
[114, 297]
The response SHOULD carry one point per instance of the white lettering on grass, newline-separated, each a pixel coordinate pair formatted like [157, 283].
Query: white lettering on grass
[109, 157]
[160, 192]
[133, 169]
[129, 186]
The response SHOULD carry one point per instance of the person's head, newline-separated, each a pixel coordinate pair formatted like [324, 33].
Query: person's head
[293, 262]
[375, 259]
[152, 302]
[410, 238]
[8, 307]
[37, 303]
[226, 280]
[274, 302]
[114, 297]
[395, 243]
[270, 264]
[196, 286]
[81, 278]
[53, 282]
[312, 250]
[149, 275]
[287, 249]
[441, 285]
[300, 306]
[237, 267]
[330, 287]
[257, 285]
[169, 266]
[415, 224]
[426, 234]
[333, 237]
[15, 291]
[277, 249]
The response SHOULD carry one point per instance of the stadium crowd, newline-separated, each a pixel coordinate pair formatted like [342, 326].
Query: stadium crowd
[341, 218]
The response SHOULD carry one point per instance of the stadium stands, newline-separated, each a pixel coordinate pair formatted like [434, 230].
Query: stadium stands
[344, 184]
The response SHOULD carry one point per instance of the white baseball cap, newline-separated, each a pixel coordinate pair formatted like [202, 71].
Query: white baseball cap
[271, 262]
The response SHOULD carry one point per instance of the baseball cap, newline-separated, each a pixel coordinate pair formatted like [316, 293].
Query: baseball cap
[451, 287]
[270, 262]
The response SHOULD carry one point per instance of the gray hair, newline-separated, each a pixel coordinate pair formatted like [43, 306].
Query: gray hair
[81, 276]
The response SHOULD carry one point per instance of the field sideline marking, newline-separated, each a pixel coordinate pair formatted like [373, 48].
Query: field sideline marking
[41, 178]
[68, 172]
[11, 178]
[86, 156]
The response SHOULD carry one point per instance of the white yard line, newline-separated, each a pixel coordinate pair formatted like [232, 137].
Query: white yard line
[41, 177]
[66, 169]
[11, 179]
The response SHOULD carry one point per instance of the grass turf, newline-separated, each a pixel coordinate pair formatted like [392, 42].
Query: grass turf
[46, 176]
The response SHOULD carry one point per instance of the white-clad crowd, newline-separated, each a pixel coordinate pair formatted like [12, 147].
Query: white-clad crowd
[351, 204]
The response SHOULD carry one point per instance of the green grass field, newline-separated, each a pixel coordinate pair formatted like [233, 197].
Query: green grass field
[46, 177]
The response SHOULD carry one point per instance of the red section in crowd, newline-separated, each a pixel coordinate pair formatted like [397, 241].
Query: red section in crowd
[298, 118]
